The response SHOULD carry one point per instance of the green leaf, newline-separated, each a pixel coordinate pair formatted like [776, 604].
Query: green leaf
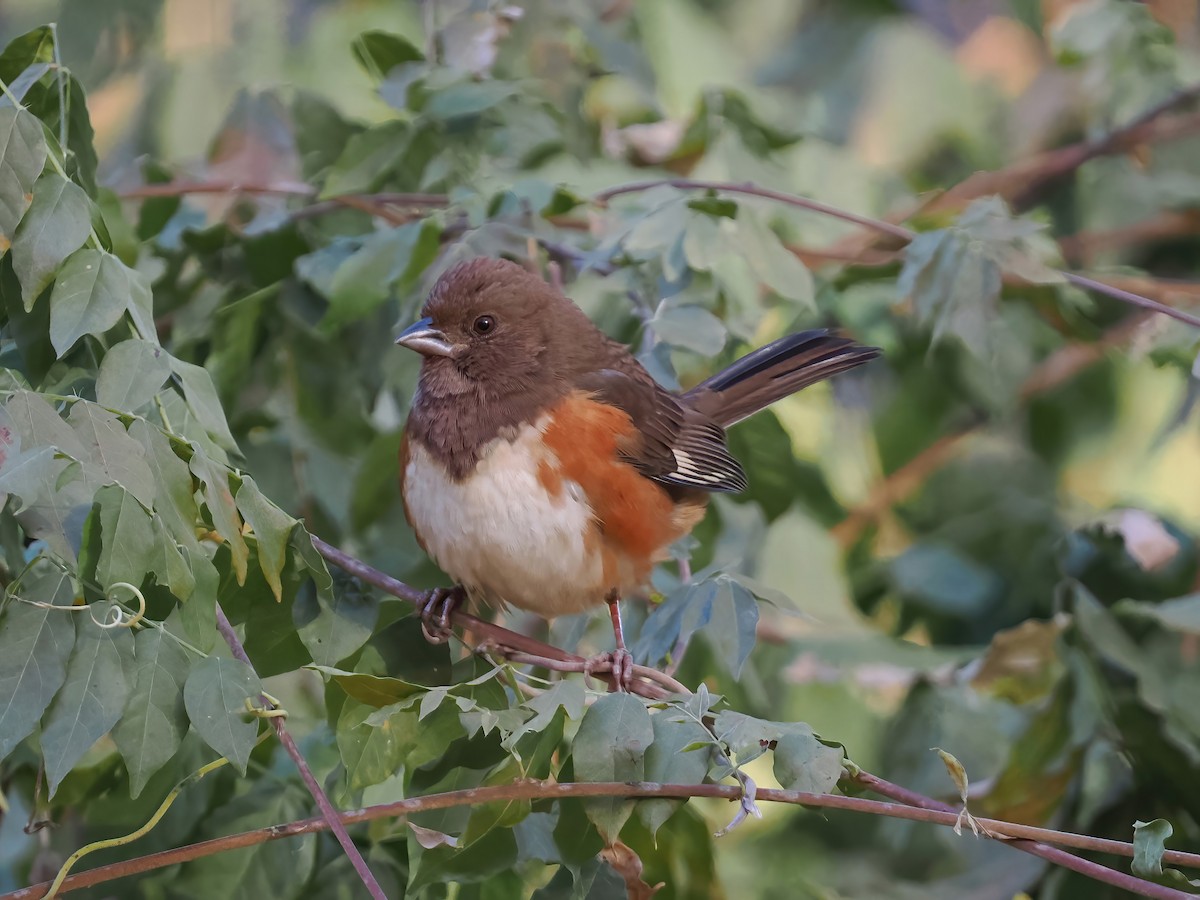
[90, 294]
[215, 696]
[35, 645]
[373, 690]
[56, 225]
[272, 529]
[940, 578]
[367, 158]
[91, 700]
[154, 721]
[611, 746]
[468, 98]
[271, 641]
[1181, 614]
[127, 552]
[364, 281]
[1149, 845]
[668, 761]
[131, 373]
[174, 500]
[41, 473]
[112, 456]
[371, 753]
[803, 763]
[169, 565]
[22, 156]
[566, 695]
[776, 266]
[717, 207]
[199, 615]
[276, 869]
[221, 506]
[732, 623]
[376, 487]
[748, 737]
[378, 52]
[334, 624]
[691, 327]
[954, 286]
[201, 395]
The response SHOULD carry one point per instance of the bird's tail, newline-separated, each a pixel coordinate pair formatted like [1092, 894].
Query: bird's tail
[773, 372]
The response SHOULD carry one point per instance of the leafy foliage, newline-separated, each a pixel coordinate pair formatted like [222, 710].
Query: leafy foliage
[983, 543]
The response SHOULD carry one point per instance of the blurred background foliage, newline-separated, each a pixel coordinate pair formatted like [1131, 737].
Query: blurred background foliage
[985, 542]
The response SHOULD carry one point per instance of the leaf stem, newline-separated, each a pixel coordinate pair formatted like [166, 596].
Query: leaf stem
[83, 851]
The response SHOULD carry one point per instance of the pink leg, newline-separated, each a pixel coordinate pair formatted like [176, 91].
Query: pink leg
[619, 661]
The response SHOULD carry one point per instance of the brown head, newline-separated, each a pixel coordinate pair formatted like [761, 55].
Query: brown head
[491, 327]
[500, 345]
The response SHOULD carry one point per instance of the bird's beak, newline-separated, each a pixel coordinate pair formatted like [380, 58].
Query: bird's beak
[425, 339]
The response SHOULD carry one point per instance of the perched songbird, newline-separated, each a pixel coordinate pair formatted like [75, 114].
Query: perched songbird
[543, 467]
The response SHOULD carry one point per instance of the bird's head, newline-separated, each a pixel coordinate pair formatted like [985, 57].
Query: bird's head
[492, 328]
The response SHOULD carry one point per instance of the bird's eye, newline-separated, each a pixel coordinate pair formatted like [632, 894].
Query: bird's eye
[484, 325]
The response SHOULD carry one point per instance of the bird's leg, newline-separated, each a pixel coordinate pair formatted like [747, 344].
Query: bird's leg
[618, 660]
[436, 609]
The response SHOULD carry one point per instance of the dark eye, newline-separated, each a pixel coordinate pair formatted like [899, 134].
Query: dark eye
[484, 325]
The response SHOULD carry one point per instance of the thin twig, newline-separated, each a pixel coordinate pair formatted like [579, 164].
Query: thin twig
[689, 184]
[912, 807]
[1039, 848]
[183, 186]
[497, 638]
[329, 814]
[896, 231]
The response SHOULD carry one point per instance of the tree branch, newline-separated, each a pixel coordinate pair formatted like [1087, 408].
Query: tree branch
[689, 184]
[896, 231]
[648, 682]
[329, 815]
[908, 805]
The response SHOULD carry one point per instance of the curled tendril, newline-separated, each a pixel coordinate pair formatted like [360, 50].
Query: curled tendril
[118, 617]
[114, 617]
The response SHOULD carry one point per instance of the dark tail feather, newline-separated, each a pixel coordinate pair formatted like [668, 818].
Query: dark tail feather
[773, 372]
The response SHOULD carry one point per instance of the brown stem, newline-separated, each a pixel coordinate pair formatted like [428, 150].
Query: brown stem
[896, 231]
[1060, 857]
[909, 806]
[729, 187]
[503, 641]
[329, 815]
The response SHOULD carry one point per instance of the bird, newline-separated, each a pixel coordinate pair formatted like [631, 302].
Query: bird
[543, 467]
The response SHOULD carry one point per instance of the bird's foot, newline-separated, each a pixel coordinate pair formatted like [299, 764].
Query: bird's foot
[436, 609]
[617, 663]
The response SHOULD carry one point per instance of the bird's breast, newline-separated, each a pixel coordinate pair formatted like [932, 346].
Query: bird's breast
[551, 518]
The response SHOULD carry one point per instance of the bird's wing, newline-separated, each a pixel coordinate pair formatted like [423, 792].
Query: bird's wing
[676, 445]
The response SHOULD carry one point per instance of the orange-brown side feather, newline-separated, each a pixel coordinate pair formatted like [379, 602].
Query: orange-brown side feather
[636, 517]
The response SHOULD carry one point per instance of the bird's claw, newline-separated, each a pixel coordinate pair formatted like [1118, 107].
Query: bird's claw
[617, 663]
[438, 606]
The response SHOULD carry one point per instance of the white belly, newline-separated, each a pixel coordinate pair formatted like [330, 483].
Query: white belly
[499, 527]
